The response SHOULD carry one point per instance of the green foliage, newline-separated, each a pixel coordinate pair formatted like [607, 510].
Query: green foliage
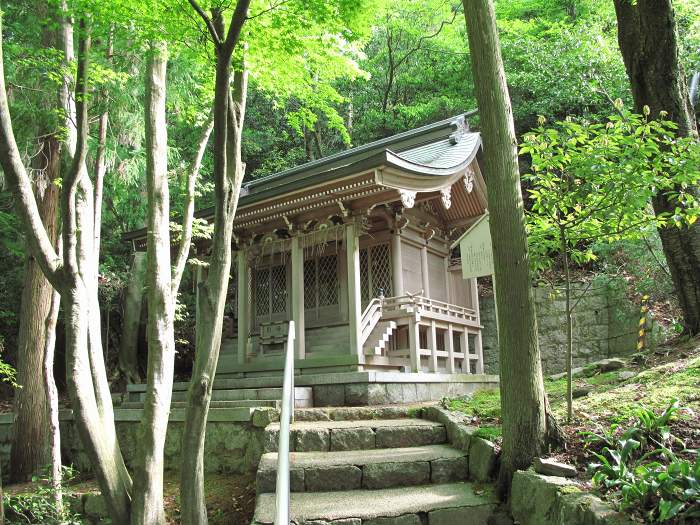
[484, 404]
[591, 182]
[637, 464]
[39, 506]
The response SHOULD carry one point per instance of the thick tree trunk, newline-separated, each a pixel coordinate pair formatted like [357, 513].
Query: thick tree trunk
[30, 447]
[128, 352]
[148, 488]
[228, 176]
[648, 41]
[523, 401]
[30, 444]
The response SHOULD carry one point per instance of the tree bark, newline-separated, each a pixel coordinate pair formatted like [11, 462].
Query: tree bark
[52, 401]
[228, 176]
[523, 400]
[128, 352]
[648, 40]
[30, 450]
[147, 506]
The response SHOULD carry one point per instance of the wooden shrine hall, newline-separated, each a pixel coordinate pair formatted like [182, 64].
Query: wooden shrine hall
[355, 248]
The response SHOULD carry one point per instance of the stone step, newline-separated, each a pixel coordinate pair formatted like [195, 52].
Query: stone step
[323, 436]
[445, 504]
[362, 412]
[254, 403]
[303, 395]
[366, 469]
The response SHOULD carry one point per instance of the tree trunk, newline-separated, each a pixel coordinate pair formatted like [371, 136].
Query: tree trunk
[523, 400]
[128, 353]
[30, 450]
[648, 41]
[147, 507]
[97, 432]
[228, 176]
[52, 400]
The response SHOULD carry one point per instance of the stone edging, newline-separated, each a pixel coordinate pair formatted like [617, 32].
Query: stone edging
[536, 499]
[482, 453]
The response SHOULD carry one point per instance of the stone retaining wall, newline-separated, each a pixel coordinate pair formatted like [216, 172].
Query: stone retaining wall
[605, 325]
[231, 446]
[549, 500]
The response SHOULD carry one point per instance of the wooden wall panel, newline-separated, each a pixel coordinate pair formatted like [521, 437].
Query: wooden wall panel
[410, 256]
[437, 277]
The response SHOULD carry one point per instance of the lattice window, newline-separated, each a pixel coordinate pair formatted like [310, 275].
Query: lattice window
[310, 284]
[278, 287]
[328, 289]
[262, 291]
[364, 274]
[321, 284]
[375, 271]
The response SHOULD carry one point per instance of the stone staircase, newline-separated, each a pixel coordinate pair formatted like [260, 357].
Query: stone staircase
[371, 467]
[379, 338]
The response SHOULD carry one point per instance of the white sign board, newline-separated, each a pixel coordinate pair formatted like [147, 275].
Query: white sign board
[476, 250]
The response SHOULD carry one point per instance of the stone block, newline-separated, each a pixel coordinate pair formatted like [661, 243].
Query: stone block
[264, 416]
[534, 498]
[422, 392]
[448, 470]
[386, 475]
[482, 459]
[406, 519]
[329, 395]
[336, 477]
[477, 515]
[311, 440]
[363, 394]
[549, 467]
[352, 439]
[409, 436]
[345, 521]
[266, 480]
[394, 393]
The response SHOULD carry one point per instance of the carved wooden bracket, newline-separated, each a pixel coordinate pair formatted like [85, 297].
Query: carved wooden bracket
[446, 194]
[408, 198]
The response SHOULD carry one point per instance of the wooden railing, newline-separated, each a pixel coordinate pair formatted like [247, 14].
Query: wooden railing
[431, 318]
[370, 318]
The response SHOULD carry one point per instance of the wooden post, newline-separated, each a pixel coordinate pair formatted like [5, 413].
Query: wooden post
[298, 296]
[352, 253]
[243, 304]
[464, 346]
[396, 264]
[414, 344]
[424, 272]
[432, 345]
[450, 350]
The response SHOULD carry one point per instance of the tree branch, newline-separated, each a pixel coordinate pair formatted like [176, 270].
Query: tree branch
[16, 174]
[237, 20]
[207, 22]
[188, 215]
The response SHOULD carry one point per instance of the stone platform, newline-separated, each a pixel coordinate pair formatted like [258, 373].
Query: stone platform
[338, 389]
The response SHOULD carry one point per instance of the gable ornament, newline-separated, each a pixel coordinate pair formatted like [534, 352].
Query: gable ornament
[446, 195]
[408, 198]
[469, 179]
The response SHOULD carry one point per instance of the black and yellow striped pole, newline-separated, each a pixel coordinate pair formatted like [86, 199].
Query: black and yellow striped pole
[641, 339]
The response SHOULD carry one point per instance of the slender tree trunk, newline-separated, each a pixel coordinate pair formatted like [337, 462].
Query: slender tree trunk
[52, 399]
[128, 352]
[648, 40]
[228, 176]
[523, 400]
[148, 487]
[569, 327]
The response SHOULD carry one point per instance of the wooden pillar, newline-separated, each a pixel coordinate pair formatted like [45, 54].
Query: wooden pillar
[352, 253]
[396, 264]
[414, 344]
[298, 296]
[450, 349]
[478, 345]
[243, 305]
[424, 272]
[464, 347]
[432, 345]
